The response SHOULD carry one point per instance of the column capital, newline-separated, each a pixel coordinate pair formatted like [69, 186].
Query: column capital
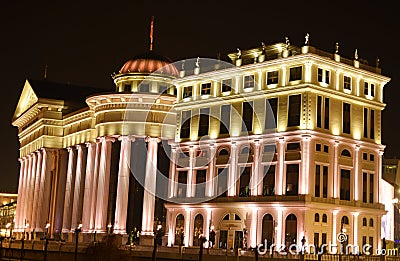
[357, 147]
[152, 139]
[306, 137]
[336, 143]
[380, 152]
[257, 142]
[70, 148]
[281, 140]
[88, 144]
[126, 138]
[355, 214]
[79, 146]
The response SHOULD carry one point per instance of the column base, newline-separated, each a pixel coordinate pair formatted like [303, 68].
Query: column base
[146, 240]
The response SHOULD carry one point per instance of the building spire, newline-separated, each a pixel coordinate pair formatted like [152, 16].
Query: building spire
[151, 33]
[45, 72]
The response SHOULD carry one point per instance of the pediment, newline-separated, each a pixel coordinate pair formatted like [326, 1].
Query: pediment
[26, 100]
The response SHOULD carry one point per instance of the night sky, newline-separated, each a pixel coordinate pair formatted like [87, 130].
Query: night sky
[83, 43]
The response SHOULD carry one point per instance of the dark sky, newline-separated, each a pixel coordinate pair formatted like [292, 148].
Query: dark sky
[83, 43]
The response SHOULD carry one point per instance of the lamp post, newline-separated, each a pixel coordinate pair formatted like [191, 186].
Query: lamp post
[77, 231]
[157, 236]
[46, 238]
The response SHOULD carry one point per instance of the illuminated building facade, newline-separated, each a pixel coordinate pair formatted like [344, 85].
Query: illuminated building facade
[299, 152]
[8, 205]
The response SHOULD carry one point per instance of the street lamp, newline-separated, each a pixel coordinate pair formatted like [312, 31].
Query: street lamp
[77, 231]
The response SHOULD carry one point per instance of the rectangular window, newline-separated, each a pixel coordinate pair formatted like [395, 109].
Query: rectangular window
[346, 82]
[225, 119]
[204, 121]
[319, 112]
[144, 87]
[294, 110]
[185, 124]
[162, 88]
[222, 182]
[326, 148]
[371, 243]
[371, 188]
[365, 156]
[269, 148]
[248, 81]
[269, 180]
[292, 179]
[271, 113]
[127, 87]
[371, 157]
[200, 189]
[316, 239]
[364, 187]
[325, 181]
[244, 182]
[293, 146]
[326, 113]
[344, 184]
[272, 77]
[187, 91]
[318, 147]
[295, 73]
[247, 117]
[323, 76]
[206, 88]
[372, 125]
[372, 90]
[365, 123]
[323, 238]
[226, 85]
[182, 184]
[366, 88]
[317, 180]
[346, 118]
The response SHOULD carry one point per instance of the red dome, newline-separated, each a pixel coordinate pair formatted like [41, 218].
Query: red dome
[149, 63]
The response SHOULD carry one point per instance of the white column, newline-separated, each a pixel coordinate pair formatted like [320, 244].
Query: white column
[305, 164]
[336, 179]
[357, 183]
[150, 187]
[253, 227]
[210, 181]
[172, 174]
[95, 185]
[121, 207]
[19, 208]
[232, 170]
[38, 173]
[24, 218]
[89, 186]
[103, 185]
[256, 177]
[378, 178]
[31, 191]
[191, 173]
[280, 167]
[279, 228]
[188, 219]
[355, 228]
[334, 225]
[44, 192]
[69, 186]
[78, 189]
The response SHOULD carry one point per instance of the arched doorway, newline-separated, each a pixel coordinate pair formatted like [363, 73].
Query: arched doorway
[267, 229]
[231, 234]
[198, 229]
[290, 230]
[179, 230]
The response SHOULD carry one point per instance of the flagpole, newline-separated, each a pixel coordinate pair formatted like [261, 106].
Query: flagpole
[151, 33]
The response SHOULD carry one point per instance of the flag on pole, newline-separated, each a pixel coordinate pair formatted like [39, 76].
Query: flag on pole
[151, 33]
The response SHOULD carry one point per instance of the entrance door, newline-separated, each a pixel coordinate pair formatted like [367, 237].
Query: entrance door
[238, 239]
[223, 239]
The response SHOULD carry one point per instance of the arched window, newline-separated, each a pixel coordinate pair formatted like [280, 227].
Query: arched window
[316, 217]
[371, 222]
[179, 230]
[223, 152]
[237, 217]
[267, 229]
[198, 229]
[345, 220]
[291, 230]
[346, 153]
[324, 218]
[364, 222]
[226, 217]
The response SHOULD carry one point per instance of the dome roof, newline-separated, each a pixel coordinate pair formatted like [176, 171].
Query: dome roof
[149, 63]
